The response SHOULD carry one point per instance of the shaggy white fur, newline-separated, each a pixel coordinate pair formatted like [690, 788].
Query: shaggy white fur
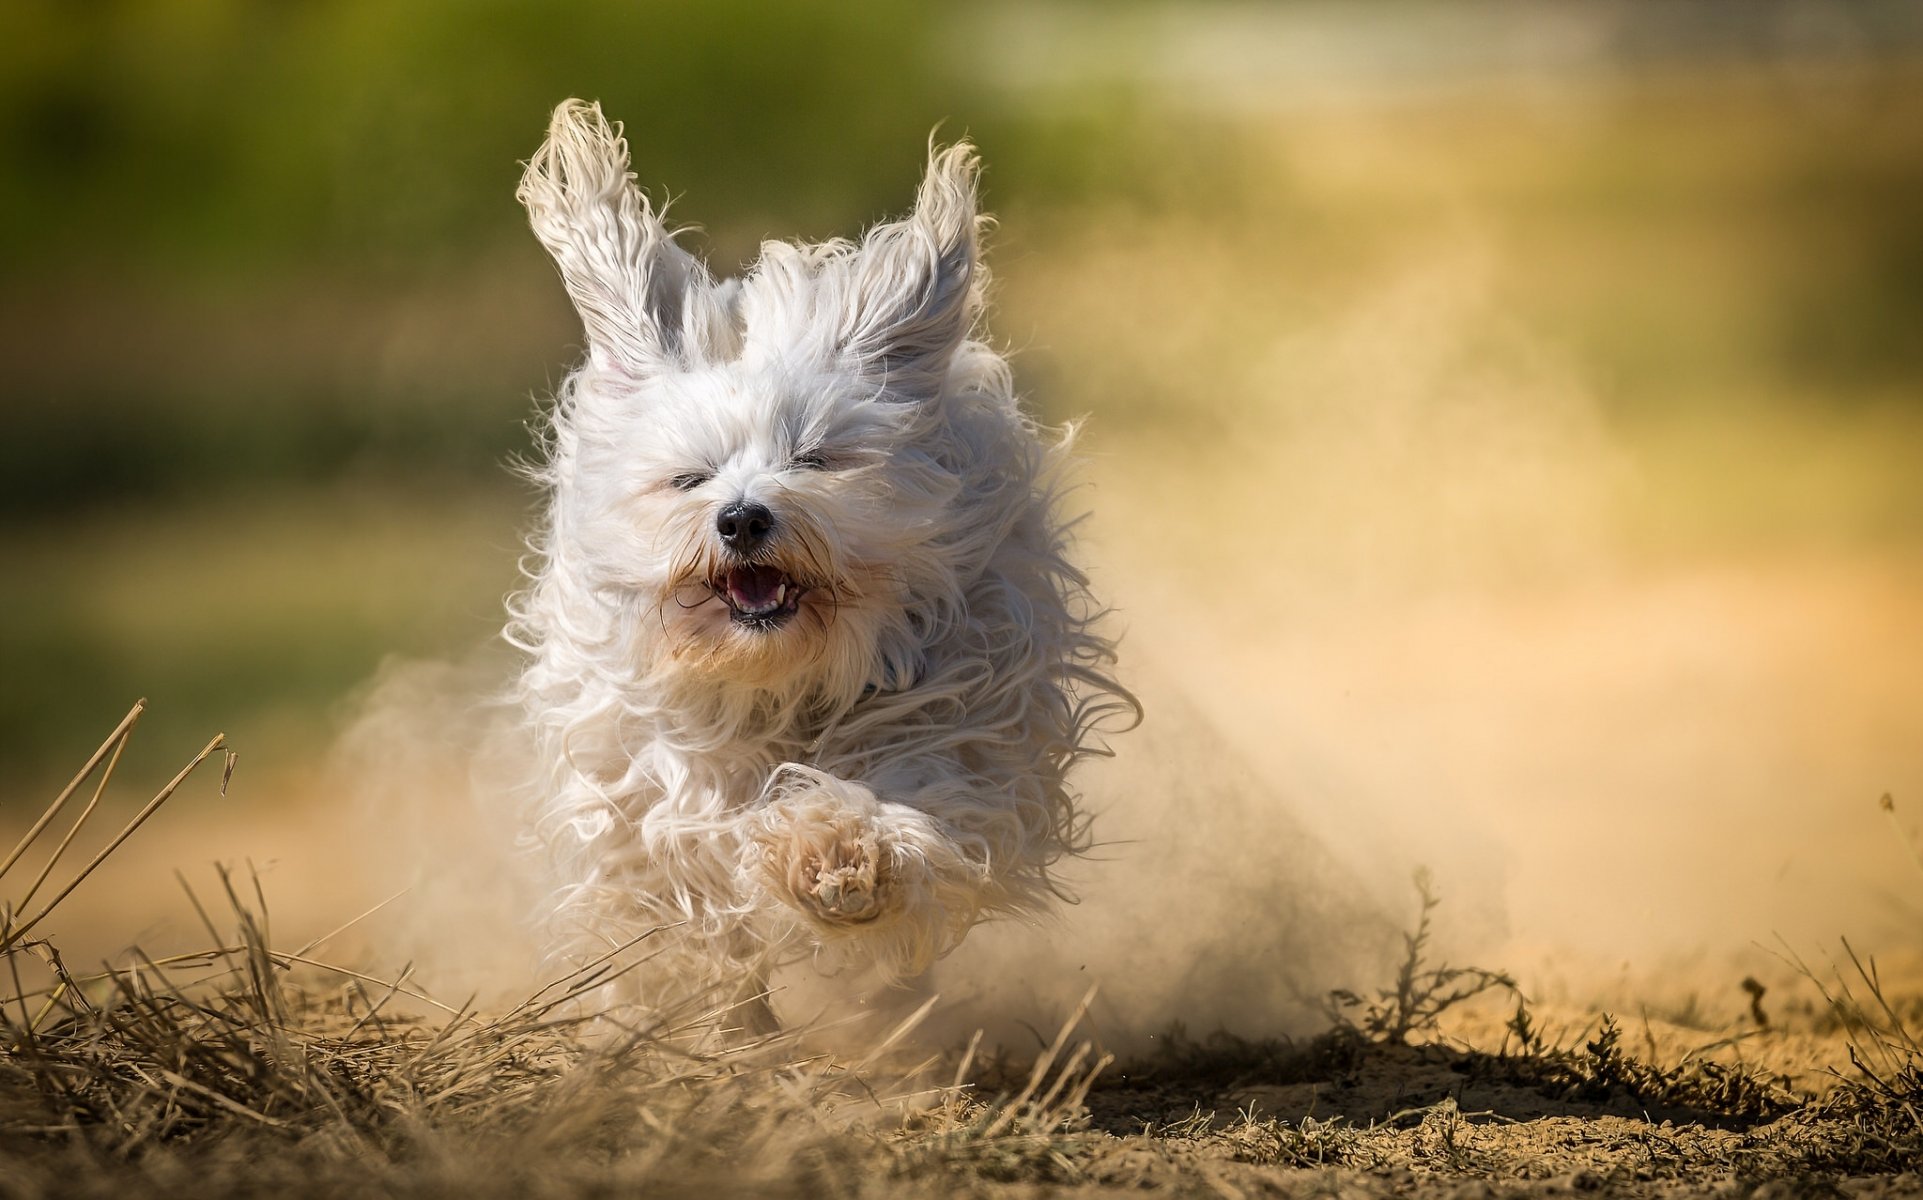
[808, 664]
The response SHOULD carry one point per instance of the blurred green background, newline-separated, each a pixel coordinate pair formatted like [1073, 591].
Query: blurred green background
[271, 326]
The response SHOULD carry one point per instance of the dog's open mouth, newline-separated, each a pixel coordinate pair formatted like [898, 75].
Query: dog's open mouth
[759, 596]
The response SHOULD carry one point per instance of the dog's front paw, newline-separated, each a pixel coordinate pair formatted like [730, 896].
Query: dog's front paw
[821, 851]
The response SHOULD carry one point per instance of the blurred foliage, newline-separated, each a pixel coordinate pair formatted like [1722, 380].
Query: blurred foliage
[241, 135]
[233, 136]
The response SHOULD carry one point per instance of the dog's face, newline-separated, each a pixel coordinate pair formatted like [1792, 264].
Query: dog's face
[764, 521]
[754, 467]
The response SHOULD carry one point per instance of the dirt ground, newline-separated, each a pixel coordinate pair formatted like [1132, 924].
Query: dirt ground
[204, 1099]
[1441, 1119]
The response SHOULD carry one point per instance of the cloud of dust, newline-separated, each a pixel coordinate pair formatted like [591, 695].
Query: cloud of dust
[431, 760]
[1385, 614]
[1380, 617]
[1262, 834]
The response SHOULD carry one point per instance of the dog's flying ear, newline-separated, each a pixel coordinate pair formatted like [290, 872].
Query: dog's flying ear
[915, 289]
[646, 303]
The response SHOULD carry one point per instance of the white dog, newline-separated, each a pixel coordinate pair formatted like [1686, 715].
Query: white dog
[808, 663]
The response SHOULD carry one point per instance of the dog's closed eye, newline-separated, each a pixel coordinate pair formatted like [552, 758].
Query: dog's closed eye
[687, 481]
[814, 460]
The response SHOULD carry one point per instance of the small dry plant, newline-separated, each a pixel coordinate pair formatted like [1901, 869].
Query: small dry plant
[1880, 1102]
[1421, 992]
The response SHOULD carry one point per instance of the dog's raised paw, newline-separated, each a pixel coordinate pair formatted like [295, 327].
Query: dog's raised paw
[822, 851]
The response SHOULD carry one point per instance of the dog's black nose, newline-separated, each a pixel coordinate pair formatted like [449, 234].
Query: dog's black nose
[743, 525]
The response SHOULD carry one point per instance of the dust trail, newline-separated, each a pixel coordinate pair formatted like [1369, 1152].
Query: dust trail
[1210, 904]
[1263, 832]
[1390, 563]
[1384, 610]
[430, 762]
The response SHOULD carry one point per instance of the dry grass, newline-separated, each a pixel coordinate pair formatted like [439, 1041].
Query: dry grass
[246, 1069]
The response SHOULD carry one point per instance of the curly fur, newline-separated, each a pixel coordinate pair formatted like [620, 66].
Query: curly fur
[890, 765]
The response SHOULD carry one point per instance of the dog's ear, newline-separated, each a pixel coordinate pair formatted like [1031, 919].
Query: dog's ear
[915, 286]
[645, 303]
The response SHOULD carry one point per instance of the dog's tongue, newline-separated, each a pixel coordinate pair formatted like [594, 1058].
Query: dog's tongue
[757, 589]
